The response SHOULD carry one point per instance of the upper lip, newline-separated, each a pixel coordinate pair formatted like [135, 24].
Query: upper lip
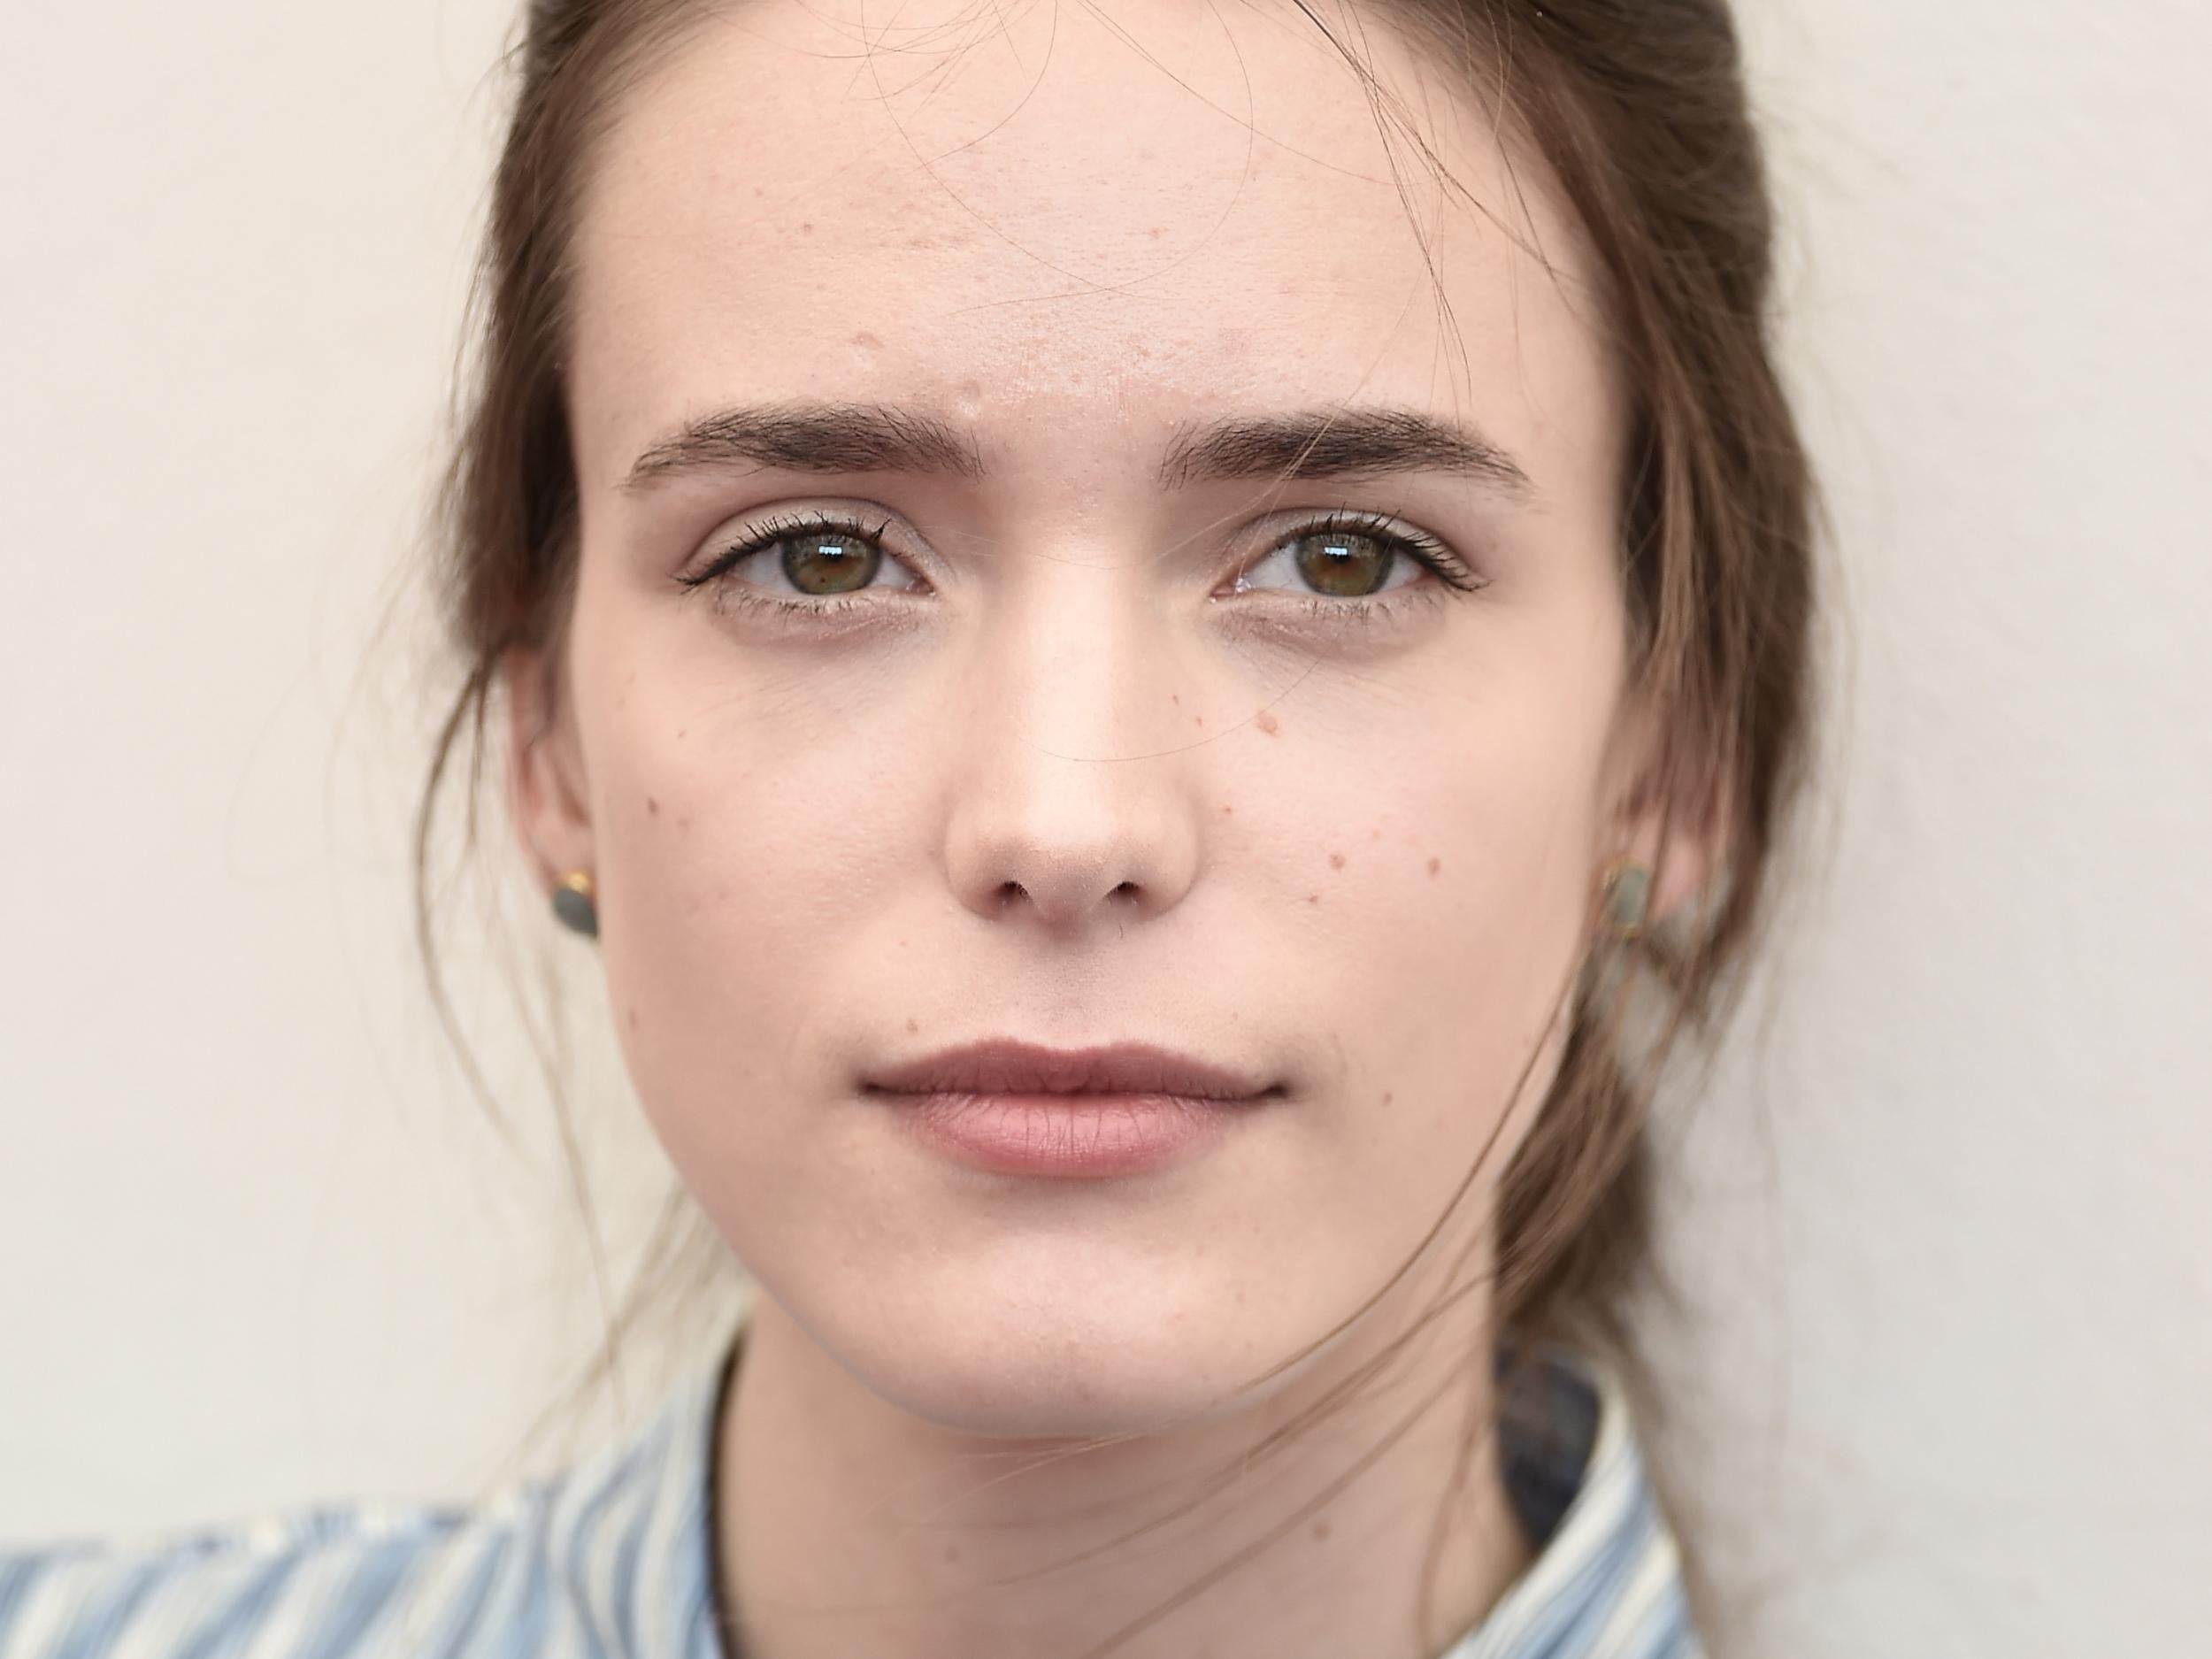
[1007, 1067]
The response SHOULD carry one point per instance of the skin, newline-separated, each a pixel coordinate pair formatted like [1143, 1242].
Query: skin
[1054, 776]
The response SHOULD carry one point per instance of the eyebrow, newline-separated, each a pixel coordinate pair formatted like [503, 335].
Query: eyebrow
[1321, 443]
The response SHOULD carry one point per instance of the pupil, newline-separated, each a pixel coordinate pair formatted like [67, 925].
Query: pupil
[1345, 566]
[824, 564]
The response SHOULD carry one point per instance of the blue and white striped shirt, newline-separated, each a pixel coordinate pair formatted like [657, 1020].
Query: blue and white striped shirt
[613, 1560]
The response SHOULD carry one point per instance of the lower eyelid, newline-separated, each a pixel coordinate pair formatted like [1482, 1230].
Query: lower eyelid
[1303, 615]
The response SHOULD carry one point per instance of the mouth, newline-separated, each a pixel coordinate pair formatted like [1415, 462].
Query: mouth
[1021, 1109]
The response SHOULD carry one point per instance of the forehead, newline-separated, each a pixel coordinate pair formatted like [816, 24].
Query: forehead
[1069, 223]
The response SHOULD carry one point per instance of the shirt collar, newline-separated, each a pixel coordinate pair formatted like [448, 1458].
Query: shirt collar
[630, 1530]
[635, 1523]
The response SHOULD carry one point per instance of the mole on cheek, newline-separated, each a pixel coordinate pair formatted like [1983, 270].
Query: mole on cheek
[652, 807]
[1435, 865]
[1265, 720]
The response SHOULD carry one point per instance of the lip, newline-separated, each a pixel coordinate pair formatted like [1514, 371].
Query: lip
[1023, 1109]
[1004, 1066]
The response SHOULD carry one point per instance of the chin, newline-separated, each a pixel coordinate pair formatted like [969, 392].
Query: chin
[1030, 1383]
[1055, 1355]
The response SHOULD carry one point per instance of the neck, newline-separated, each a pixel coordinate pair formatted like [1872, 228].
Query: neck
[847, 1525]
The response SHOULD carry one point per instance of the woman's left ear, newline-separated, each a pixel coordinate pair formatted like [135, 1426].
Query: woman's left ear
[1683, 857]
[1674, 820]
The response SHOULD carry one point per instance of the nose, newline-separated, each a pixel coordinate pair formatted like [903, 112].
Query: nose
[1072, 806]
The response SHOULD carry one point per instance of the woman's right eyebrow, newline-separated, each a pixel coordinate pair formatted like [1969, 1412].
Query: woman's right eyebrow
[1317, 443]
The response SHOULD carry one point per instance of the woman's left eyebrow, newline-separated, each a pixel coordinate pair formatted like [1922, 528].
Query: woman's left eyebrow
[1319, 444]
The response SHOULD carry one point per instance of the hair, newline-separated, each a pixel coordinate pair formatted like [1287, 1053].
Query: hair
[1638, 112]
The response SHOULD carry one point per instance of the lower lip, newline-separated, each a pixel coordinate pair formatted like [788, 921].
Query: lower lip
[1068, 1136]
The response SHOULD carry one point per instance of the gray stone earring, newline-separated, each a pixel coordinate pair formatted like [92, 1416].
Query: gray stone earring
[573, 903]
[1626, 903]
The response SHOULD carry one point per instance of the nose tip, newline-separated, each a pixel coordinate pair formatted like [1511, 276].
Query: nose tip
[1066, 852]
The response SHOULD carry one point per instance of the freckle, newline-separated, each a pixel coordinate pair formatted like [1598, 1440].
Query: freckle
[652, 806]
[864, 338]
[912, 1024]
[633, 1016]
[1176, 697]
[1388, 1097]
[1227, 810]
[1156, 232]
[952, 1552]
[806, 227]
[1201, 721]
[1313, 898]
[1435, 865]
[1320, 1531]
[680, 734]
[1336, 861]
[1374, 834]
[683, 823]
[1266, 722]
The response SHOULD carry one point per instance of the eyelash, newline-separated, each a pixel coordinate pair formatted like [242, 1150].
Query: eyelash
[1424, 550]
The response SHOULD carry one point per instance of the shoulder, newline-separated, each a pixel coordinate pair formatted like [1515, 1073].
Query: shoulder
[607, 1559]
[301, 1584]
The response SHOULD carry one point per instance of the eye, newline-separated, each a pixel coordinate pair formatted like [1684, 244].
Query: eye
[807, 559]
[1353, 557]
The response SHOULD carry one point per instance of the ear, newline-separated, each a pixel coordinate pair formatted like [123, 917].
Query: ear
[1672, 813]
[545, 774]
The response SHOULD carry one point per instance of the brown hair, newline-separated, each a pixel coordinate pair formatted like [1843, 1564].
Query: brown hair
[1637, 110]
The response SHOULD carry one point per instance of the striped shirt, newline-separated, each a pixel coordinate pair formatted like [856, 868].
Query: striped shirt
[613, 1559]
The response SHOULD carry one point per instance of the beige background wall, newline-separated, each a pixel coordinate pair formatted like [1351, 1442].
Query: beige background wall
[1943, 1373]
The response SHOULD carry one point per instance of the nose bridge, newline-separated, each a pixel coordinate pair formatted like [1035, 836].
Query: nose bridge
[1072, 800]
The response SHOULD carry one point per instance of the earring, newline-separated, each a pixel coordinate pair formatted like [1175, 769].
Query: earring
[572, 903]
[1627, 897]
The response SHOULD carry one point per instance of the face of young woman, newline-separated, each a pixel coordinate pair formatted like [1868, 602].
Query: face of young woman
[1036, 705]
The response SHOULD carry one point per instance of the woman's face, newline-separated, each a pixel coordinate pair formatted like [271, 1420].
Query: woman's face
[1076, 730]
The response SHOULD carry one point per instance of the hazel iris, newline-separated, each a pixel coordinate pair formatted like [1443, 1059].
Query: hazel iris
[825, 562]
[1345, 566]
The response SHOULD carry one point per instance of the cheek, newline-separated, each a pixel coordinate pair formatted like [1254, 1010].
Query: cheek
[1451, 928]
[744, 844]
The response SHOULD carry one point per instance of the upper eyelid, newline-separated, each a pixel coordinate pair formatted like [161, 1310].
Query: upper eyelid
[755, 539]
